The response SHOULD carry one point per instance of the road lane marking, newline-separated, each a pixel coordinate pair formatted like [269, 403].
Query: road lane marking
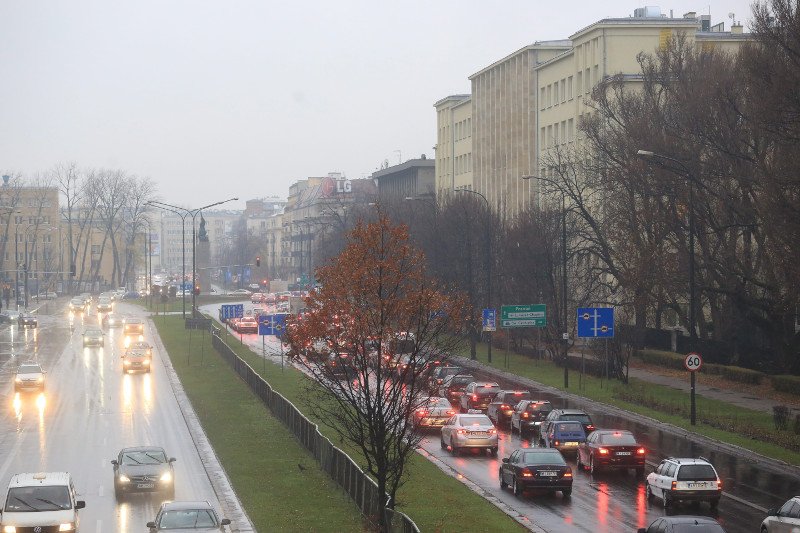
[99, 526]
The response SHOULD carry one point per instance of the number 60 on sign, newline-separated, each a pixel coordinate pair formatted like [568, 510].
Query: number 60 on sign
[693, 362]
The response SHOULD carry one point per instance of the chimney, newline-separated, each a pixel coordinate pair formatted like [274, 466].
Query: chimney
[737, 28]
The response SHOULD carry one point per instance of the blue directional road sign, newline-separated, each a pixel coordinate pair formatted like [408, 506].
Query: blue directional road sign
[231, 311]
[490, 320]
[595, 322]
[272, 324]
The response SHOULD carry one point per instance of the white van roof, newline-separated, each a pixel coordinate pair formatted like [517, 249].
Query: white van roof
[28, 479]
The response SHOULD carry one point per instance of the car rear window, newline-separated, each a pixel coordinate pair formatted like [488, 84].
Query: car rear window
[438, 402]
[462, 380]
[696, 473]
[543, 458]
[485, 390]
[623, 439]
[517, 396]
[583, 419]
[569, 426]
[540, 407]
[697, 528]
[477, 420]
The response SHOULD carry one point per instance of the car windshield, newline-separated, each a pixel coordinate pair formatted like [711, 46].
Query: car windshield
[553, 457]
[29, 369]
[144, 457]
[477, 420]
[37, 499]
[568, 426]
[583, 419]
[187, 519]
[618, 439]
[697, 528]
[485, 390]
[696, 473]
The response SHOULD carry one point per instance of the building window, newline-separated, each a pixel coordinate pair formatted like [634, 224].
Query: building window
[542, 101]
[543, 138]
[555, 133]
[580, 82]
[549, 95]
[569, 88]
[555, 93]
[571, 129]
[587, 80]
[563, 91]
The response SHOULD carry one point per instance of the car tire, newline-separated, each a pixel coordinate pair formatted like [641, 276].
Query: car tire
[566, 493]
[118, 494]
[503, 484]
[453, 448]
[493, 451]
[594, 470]
[666, 499]
[648, 493]
[441, 440]
[516, 489]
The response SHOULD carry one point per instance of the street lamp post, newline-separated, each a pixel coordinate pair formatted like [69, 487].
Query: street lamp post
[25, 262]
[646, 154]
[488, 265]
[564, 319]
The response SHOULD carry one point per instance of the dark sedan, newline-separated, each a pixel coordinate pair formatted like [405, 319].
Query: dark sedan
[536, 468]
[187, 516]
[502, 406]
[611, 449]
[453, 387]
[528, 415]
[27, 321]
[144, 469]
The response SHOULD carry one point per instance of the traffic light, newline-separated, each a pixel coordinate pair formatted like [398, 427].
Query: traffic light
[197, 290]
[264, 282]
[258, 261]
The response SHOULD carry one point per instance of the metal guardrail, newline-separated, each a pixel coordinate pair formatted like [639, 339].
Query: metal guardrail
[339, 466]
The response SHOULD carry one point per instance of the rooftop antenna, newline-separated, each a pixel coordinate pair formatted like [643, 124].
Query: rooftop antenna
[732, 16]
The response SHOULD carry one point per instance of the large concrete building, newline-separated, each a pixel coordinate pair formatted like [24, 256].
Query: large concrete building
[526, 104]
[411, 179]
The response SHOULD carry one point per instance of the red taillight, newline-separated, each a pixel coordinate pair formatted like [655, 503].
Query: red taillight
[451, 413]
[719, 484]
[568, 473]
[556, 443]
[492, 431]
[504, 406]
[526, 472]
[525, 415]
[422, 412]
[602, 451]
[589, 428]
[674, 485]
[439, 381]
[641, 451]
[474, 397]
[462, 432]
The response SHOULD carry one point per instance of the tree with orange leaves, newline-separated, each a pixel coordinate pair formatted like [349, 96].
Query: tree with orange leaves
[370, 337]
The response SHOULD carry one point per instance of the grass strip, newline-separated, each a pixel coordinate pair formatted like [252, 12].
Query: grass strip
[435, 501]
[716, 419]
[257, 451]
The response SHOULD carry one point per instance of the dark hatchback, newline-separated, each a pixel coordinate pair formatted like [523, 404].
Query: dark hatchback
[611, 449]
[438, 376]
[568, 415]
[478, 395]
[143, 469]
[536, 468]
[26, 320]
[453, 387]
[502, 405]
[528, 415]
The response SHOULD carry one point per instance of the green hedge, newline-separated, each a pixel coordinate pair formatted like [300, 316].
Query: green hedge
[675, 361]
[790, 384]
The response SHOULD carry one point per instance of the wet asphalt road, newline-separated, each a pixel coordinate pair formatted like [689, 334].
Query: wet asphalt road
[87, 413]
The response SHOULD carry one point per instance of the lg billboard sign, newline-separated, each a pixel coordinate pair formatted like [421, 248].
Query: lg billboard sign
[332, 186]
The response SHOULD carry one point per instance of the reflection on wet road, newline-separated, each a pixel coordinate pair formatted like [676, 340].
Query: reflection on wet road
[88, 411]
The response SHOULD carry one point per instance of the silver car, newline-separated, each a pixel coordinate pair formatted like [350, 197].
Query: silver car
[784, 518]
[471, 430]
[30, 376]
[187, 516]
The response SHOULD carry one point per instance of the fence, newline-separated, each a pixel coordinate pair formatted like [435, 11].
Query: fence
[339, 466]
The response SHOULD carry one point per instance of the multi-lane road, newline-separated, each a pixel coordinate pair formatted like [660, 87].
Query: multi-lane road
[90, 410]
[609, 502]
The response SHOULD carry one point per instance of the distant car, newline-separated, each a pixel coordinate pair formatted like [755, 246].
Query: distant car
[437, 376]
[478, 395]
[131, 295]
[27, 320]
[256, 298]
[685, 524]
[10, 316]
[684, 479]
[93, 337]
[112, 320]
[270, 298]
[29, 376]
[104, 305]
[136, 360]
[611, 449]
[453, 387]
[240, 292]
[247, 324]
[565, 436]
[473, 430]
[536, 468]
[528, 415]
[187, 516]
[142, 345]
[143, 469]
[785, 518]
[254, 287]
[86, 298]
[77, 305]
[432, 412]
[133, 327]
[340, 365]
[559, 415]
[45, 296]
[502, 405]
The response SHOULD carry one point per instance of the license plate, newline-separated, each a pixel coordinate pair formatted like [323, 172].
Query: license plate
[699, 485]
[145, 485]
[477, 433]
[548, 474]
[623, 453]
[570, 444]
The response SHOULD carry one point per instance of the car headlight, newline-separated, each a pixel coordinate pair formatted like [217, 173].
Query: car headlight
[126, 362]
[9, 529]
[40, 379]
[66, 527]
[124, 479]
[166, 477]
[18, 380]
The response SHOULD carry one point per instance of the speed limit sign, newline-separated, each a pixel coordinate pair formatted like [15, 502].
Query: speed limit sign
[693, 362]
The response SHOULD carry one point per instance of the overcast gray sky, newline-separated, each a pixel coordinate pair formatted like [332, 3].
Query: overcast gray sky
[241, 98]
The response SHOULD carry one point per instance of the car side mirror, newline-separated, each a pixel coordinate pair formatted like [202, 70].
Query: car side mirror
[114, 462]
[151, 525]
[225, 522]
[80, 504]
[172, 459]
[773, 512]
[505, 459]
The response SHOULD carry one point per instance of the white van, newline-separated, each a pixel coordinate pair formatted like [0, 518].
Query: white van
[44, 501]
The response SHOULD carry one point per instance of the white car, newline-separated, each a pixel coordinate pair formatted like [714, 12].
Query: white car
[240, 292]
[44, 501]
[684, 479]
[472, 430]
[785, 518]
[29, 376]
